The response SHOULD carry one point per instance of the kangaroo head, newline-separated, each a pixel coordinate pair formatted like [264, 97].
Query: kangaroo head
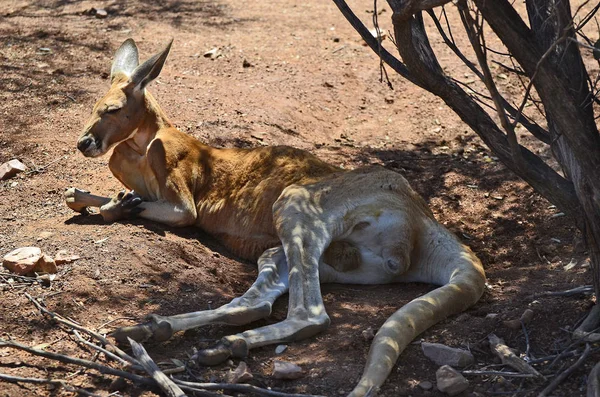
[117, 116]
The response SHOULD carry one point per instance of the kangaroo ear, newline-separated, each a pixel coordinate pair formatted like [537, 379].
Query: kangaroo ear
[126, 59]
[150, 69]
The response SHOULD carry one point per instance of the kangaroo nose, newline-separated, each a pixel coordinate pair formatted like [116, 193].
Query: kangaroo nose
[84, 143]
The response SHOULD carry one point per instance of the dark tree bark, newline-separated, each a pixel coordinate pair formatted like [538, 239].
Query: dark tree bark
[549, 56]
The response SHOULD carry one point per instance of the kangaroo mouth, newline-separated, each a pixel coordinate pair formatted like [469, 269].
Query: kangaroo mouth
[90, 146]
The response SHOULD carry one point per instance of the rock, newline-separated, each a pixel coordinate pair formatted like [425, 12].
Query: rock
[63, 257]
[101, 13]
[239, 375]
[491, 316]
[368, 334]
[45, 265]
[44, 235]
[247, 64]
[527, 316]
[426, 385]
[280, 349]
[450, 381]
[213, 53]
[286, 370]
[10, 169]
[22, 260]
[445, 355]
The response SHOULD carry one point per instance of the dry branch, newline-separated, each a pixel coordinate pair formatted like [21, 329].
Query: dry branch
[58, 318]
[511, 359]
[163, 381]
[565, 374]
[237, 388]
[103, 369]
[593, 382]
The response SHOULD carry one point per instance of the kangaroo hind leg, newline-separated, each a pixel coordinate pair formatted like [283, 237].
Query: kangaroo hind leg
[256, 303]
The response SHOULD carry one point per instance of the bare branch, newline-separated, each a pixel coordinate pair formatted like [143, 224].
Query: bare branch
[475, 35]
[78, 361]
[373, 43]
[565, 374]
[70, 324]
[241, 388]
[163, 381]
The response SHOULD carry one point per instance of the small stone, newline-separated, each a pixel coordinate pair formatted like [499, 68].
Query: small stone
[213, 53]
[246, 64]
[450, 381]
[286, 370]
[22, 260]
[101, 13]
[426, 385]
[280, 349]
[527, 316]
[63, 257]
[240, 374]
[368, 334]
[45, 235]
[45, 265]
[445, 355]
[491, 316]
[11, 168]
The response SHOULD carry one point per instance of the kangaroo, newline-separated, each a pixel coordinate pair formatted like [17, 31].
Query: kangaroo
[304, 222]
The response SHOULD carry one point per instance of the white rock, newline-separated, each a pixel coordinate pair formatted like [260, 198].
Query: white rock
[63, 256]
[22, 260]
[286, 370]
[280, 349]
[450, 381]
[10, 169]
[426, 385]
[445, 355]
[101, 13]
[240, 375]
[368, 334]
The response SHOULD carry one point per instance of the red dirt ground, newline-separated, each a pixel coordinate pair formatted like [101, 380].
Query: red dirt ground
[311, 84]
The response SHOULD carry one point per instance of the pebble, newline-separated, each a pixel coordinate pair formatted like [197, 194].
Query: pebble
[450, 381]
[286, 370]
[240, 374]
[280, 349]
[11, 168]
[101, 13]
[63, 257]
[368, 334]
[446, 355]
[426, 385]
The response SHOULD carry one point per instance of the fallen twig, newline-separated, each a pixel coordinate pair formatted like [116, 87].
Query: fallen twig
[565, 374]
[107, 353]
[78, 361]
[55, 382]
[37, 170]
[73, 325]
[498, 373]
[237, 388]
[163, 381]
[570, 292]
[593, 382]
[511, 359]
